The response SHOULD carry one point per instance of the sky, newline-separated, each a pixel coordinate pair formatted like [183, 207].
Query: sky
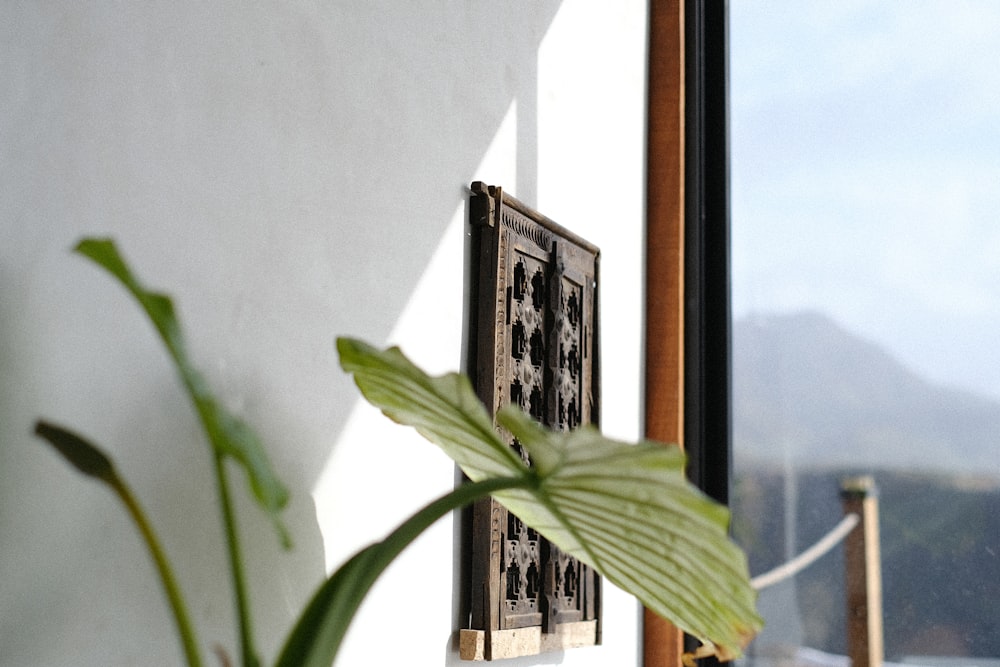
[866, 174]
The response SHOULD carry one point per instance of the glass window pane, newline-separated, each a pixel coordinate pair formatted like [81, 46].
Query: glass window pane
[866, 305]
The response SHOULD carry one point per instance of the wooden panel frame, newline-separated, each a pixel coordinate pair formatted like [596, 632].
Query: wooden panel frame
[534, 343]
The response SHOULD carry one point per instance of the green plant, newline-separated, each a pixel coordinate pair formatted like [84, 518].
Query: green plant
[627, 510]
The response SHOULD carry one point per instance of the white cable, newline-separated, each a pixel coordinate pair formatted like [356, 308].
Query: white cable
[807, 557]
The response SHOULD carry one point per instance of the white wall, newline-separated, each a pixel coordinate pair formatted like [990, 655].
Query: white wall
[289, 171]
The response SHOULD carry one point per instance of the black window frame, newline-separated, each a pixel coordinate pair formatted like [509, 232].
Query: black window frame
[707, 302]
[707, 241]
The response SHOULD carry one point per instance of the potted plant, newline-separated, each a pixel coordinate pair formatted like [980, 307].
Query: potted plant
[657, 536]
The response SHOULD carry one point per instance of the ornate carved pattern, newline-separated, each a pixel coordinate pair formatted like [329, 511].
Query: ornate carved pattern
[524, 227]
[567, 356]
[529, 321]
[539, 355]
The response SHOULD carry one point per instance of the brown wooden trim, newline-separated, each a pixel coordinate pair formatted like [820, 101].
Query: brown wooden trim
[664, 335]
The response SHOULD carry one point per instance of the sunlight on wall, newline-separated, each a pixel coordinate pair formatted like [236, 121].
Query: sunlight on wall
[600, 198]
[430, 331]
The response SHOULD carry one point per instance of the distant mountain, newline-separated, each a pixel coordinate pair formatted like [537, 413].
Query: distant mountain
[837, 400]
[826, 402]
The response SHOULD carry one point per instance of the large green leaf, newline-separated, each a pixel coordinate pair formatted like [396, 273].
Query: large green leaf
[627, 510]
[229, 435]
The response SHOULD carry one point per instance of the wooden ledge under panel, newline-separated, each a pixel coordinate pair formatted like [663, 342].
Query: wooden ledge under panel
[499, 644]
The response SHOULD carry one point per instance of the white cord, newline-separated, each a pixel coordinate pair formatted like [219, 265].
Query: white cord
[807, 557]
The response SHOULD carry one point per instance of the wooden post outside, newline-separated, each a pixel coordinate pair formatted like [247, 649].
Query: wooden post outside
[864, 574]
[664, 336]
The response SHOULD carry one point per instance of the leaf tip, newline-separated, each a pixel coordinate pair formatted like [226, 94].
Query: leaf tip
[94, 247]
[82, 455]
[352, 352]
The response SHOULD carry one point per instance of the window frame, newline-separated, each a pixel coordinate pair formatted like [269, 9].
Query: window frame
[688, 348]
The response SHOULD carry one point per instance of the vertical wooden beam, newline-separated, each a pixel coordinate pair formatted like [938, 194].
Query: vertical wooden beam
[864, 574]
[664, 335]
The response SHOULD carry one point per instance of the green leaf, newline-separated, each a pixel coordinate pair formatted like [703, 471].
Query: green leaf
[84, 456]
[445, 410]
[626, 510]
[228, 434]
[91, 461]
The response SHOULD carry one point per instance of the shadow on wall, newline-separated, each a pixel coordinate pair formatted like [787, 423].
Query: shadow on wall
[286, 172]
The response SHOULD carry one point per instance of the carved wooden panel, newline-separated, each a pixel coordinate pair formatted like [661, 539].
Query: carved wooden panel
[534, 345]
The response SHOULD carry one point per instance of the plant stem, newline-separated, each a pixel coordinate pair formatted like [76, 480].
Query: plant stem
[316, 638]
[464, 495]
[247, 650]
[184, 627]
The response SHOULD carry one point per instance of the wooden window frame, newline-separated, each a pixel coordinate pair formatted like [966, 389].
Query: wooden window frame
[687, 379]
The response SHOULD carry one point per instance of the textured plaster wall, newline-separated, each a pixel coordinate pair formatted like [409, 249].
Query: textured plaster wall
[288, 171]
